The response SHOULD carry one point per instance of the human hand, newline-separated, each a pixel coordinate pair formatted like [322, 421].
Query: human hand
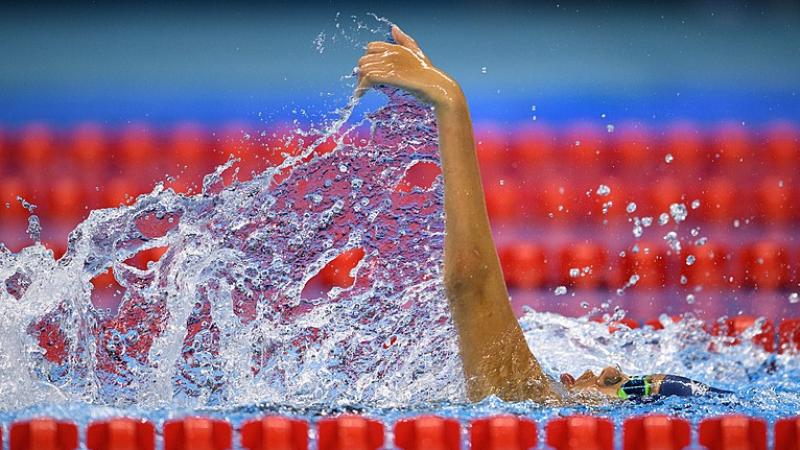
[405, 66]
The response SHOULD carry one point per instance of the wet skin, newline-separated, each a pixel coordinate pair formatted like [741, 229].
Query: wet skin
[495, 357]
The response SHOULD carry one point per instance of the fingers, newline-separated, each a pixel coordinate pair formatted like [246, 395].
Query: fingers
[378, 46]
[403, 39]
[369, 79]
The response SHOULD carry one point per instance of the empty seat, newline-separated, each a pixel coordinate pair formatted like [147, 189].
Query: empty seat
[720, 203]
[731, 148]
[663, 193]
[683, 149]
[775, 201]
[583, 265]
[783, 147]
[427, 433]
[648, 262]
[120, 434]
[580, 433]
[532, 147]
[733, 433]
[634, 150]
[656, 432]
[349, 433]
[36, 147]
[765, 266]
[43, 434]
[706, 266]
[275, 433]
[502, 433]
[89, 150]
[137, 151]
[492, 147]
[524, 265]
[556, 201]
[191, 150]
[197, 433]
[504, 202]
[67, 200]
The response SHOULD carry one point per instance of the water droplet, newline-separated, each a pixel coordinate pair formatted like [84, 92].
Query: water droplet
[684, 280]
[633, 279]
[668, 159]
[678, 212]
[483, 69]
[631, 208]
[585, 305]
[610, 128]
[603, 190]
[690, 260]
[690, 299]
[663, 219]
[574, 272]
[647, 221]
[561, 290]
[794, 297]
[701, 241]
[695, 204]
[736, 223]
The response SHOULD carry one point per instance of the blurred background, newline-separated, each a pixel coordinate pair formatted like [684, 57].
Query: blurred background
[641, 155]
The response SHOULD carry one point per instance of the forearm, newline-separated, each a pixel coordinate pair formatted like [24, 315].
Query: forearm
[468, 238]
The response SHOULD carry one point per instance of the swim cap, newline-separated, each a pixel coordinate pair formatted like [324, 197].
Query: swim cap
[638, 388]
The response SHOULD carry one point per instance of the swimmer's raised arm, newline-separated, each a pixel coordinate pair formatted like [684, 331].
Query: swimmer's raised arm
[495, 356]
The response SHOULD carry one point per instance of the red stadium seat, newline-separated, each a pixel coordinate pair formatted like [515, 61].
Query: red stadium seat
[787, 434]
[427, 433]
[504, 203]
[583, 146]
[733, 433]
[524, 265]
[349, 433]
[88, 149]
[43, 434]
[609, 207]
[789, 336]
[191, 151]
[279, 433]
[663, 193]
[36, 147]
[684, 143]
[583, 265]
[137, 150]
[533, 147]
[709, 269]
[119, 191]
[121, 434]
[719, 201]
[649, 263]
[557, 201]
[635, 151]
[492, 147]
[656, 432]
[735, 326]
[775, 200]
[783, 146]
[580, 433]
[765, 266]
[732, 148]
[197, 433]
[67, 200]
[502, 433]
[12, 187]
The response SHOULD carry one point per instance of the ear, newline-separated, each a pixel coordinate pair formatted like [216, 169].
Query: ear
[403, 39]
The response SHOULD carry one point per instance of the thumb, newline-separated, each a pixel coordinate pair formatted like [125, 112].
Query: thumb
[403, 39]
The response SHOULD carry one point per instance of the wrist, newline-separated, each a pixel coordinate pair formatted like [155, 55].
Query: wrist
[450, 98]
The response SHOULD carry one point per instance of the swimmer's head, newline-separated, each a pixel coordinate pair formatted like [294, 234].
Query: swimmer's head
[605, 384]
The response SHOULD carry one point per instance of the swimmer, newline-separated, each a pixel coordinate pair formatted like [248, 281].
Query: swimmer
[495, 356]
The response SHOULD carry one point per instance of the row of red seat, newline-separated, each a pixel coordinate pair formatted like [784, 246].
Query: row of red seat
[764, 265]
[351, 432]
[634, 147]
[767, 201]
[626, 146]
